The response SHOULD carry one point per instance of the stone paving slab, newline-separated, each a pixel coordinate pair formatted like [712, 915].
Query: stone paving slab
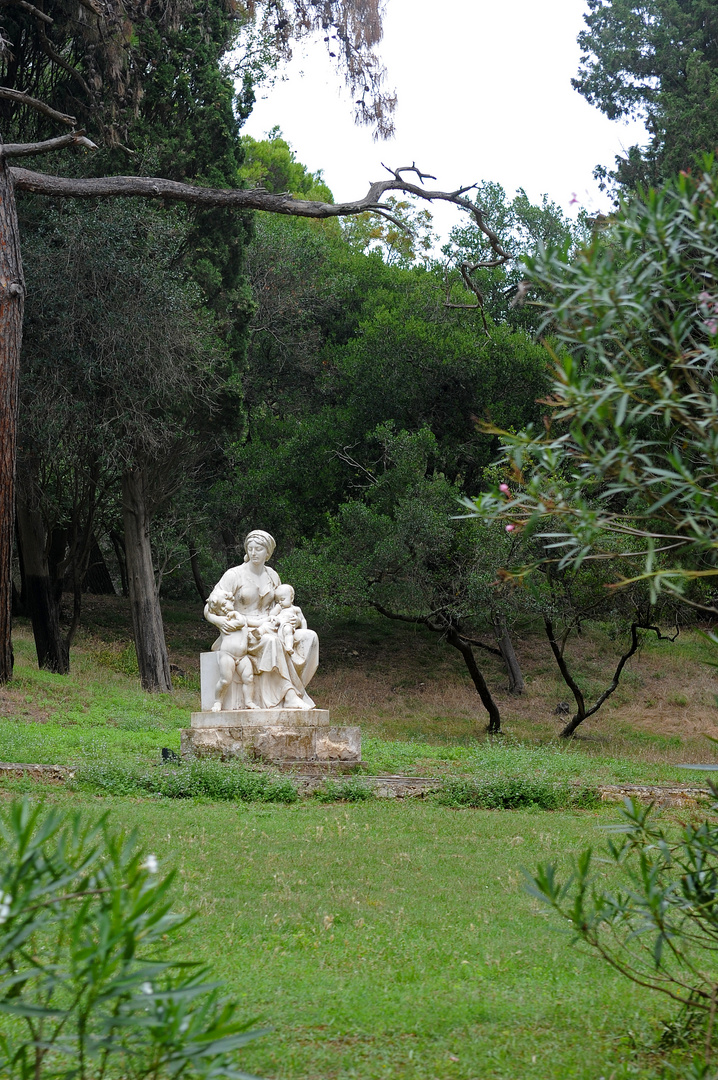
[16, 770]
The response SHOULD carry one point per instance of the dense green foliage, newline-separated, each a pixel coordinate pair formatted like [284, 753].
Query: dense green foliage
[90, 987]
[656, 60]
[632, 449]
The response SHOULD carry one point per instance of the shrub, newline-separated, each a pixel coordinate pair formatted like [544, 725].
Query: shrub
[195, 779]
[350, 789]
[659, 925]
[89, 984]
[514, 793]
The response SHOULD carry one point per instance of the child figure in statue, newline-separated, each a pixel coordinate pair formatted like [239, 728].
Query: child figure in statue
[287, 615]
[231, 648]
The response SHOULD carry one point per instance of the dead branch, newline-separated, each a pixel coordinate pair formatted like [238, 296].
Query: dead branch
[39, 106]
[73, 138]
[466, 269]
[34, 11]
[242, 198]
[54, 55]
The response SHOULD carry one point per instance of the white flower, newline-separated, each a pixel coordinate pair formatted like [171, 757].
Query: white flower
[146, 988]
[5, 902]
[150, 864]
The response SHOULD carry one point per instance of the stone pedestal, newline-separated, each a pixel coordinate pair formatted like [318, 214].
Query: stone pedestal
[279, 736]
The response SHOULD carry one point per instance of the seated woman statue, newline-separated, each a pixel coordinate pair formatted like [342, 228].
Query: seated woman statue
[280, 677]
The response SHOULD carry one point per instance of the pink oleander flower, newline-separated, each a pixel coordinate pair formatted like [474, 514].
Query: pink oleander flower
[504, 488]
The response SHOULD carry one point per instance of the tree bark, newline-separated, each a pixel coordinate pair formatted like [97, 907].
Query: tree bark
[152, 658]
[506, 647]
[197, 573]
[97, 578]
[40, 595]
[119, 549]
[455, 639]
[12, 302]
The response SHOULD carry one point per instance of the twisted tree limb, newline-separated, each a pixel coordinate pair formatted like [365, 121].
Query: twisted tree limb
[34, 103]
[257, 198]
[73, 138]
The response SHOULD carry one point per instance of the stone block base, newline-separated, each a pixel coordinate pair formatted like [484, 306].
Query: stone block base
[295, 742]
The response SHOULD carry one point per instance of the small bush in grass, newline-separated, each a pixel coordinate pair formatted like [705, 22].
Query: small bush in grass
[350, 789]
[91, 987]
[658, 925]
[515, 793]
[195, 779]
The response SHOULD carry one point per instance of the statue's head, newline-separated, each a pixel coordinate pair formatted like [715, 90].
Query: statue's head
[220, 602]
[284, 595]
[259, 546]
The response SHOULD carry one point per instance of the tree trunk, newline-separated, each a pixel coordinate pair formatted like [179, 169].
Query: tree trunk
[97, 579]
[454, 638]
[506, 646]
[119, 547]
[197, 573]
[149, 634]
[40, 595]
[12, 302]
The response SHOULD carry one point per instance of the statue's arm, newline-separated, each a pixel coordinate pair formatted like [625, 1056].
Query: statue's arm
[222, 622]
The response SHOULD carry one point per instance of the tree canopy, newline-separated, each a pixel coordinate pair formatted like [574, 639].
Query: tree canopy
[656, 60]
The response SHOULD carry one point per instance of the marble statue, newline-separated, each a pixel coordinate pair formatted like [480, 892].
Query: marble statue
[287, 615]
[231, 648]
[264, 639]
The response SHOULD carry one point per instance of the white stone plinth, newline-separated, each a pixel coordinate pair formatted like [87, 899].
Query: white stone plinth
[261, 718]
[292, 741]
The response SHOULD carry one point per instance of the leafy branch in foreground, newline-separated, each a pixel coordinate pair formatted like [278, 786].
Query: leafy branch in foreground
[659, 924]
[630, 447]
[88, 988]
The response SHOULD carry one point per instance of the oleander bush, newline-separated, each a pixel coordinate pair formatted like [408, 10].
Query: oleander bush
[91, 983]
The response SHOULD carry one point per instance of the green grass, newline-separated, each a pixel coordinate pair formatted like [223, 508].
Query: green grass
[379, 939]
[556, 762]
[383, 940]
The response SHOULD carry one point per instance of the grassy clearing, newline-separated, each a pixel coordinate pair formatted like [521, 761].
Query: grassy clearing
[382, 941]
[411, 695]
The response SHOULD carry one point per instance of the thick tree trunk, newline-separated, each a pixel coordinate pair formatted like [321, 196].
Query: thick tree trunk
[150, 645]
[506, 647]
[454, 638]
[12, 302]
[40, 595]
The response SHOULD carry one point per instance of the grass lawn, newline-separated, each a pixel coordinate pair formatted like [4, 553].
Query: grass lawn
[384, 939]
[395, 940]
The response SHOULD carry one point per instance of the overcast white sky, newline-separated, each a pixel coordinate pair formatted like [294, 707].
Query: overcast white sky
[484, 94]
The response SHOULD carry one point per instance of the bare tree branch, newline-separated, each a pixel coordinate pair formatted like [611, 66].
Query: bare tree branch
[73, 138]
[252, 199]
[38, 106]
[28, 7]
[54, 55]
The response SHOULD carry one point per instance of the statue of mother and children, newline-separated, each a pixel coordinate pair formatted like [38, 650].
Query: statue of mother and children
[264, 642]
[255, 704]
